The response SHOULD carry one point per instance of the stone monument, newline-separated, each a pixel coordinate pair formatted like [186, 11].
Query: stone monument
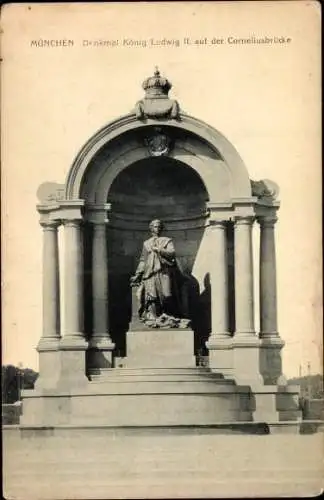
[159, 281]
[204, 363]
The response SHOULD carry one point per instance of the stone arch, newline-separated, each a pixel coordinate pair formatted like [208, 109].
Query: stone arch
[118, 146]
[199, 145]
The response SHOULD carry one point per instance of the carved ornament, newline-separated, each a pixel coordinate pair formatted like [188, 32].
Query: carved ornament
[50, 192]
[156, 102]
[265, 189]
[158, 143]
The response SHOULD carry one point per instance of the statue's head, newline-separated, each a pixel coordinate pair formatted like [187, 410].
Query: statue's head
[156, 226]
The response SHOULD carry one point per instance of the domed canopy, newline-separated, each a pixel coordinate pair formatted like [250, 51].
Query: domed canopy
[157, 127]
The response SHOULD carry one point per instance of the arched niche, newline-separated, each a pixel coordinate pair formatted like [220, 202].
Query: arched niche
[122, 142]
[116, 167]
[160, 187]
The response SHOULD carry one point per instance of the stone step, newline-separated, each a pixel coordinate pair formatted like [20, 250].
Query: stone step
[163, 386]
[195, 369]
[118, 375]
[288, 415]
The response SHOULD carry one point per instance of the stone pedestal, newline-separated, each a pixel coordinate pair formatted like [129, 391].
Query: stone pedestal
[270, 361]
[246, 361]
[99, 361]
[160, 349]
[274, 404]
[72, 368]
[49, 362]
[221, 356]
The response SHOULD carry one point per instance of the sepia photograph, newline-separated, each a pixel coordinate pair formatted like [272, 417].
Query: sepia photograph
[161, 250]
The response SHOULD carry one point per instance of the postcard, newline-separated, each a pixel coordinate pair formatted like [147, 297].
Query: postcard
[161, 249]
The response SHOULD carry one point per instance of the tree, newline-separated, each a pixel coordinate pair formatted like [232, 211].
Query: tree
[13, 380]
[311, 386]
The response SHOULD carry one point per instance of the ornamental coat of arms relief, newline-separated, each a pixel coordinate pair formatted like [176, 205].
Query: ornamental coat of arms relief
[158, 144]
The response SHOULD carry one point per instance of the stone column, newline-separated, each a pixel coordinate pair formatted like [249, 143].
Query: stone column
[100, 337]
[219, 280]
[246, 343]
[73, 344]
[244, 299]
[101, 345]
[271, 343]
[268, 278]
[73, 261]
[219, 343]
[48, 345]
[51, 286]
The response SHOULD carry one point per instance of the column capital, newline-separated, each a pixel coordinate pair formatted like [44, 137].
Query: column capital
[72, 222]
[50, 225]
[247, 220]
[218, 223]
[267, 220]
[97, 213]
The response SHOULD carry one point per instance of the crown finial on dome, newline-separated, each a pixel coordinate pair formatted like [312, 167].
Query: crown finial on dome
[156, 102]
[156, 86]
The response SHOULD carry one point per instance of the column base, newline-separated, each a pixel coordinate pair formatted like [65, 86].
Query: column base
[276, 404]
[99, 357]
[73, 361]
[49, 365]
[220, 349]
[246, 360]
[270, 335]
[270, 360]
[46, 344]
[102, 341]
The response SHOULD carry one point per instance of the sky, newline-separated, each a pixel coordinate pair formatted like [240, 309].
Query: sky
[264, 97]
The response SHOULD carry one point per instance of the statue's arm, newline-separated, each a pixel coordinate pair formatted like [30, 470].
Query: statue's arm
[168, 250]
[140, 269]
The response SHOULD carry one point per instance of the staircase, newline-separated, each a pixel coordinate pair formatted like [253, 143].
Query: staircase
[158, 386]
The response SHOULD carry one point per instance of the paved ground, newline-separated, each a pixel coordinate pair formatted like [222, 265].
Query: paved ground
[128, 466]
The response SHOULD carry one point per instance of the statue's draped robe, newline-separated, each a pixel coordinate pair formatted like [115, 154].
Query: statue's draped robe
[161, 277]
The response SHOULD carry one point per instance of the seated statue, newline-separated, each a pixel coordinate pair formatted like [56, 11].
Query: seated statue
[159, 282]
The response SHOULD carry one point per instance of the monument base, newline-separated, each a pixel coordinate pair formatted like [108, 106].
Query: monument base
[160, 349]
[158, 385]
[142, 397]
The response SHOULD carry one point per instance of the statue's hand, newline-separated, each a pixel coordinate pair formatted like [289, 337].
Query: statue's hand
[135, 280]
[155, 249]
